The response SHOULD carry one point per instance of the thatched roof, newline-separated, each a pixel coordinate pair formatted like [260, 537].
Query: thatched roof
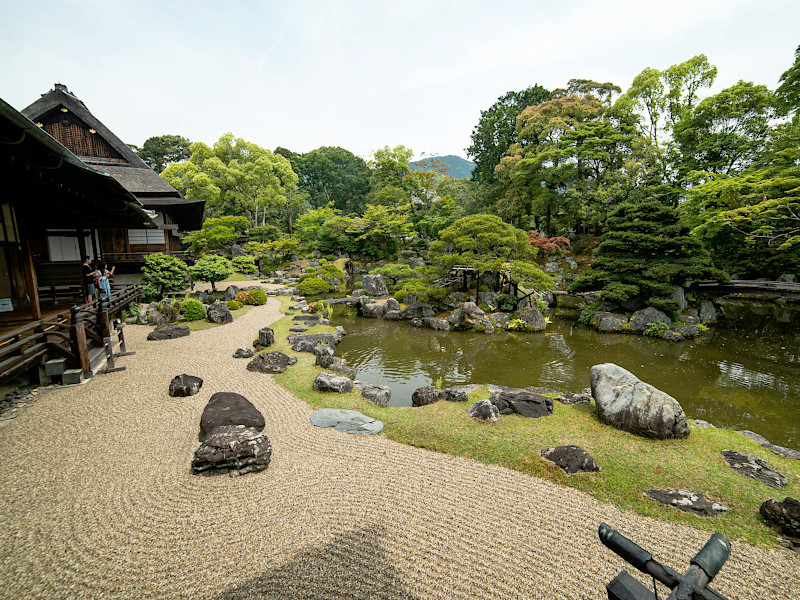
[127, 168]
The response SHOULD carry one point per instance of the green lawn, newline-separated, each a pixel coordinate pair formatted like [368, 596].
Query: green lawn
[630, 464]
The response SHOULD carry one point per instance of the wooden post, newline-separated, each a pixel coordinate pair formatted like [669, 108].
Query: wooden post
[29, 272]
[103, 323]
[77, 334]
[466, 285]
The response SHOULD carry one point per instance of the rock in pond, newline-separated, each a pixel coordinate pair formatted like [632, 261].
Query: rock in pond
[755, 467]
[511, 401]
[271, 362]
[374, 285]
[642, 319]
[233, 448]
[169, 332]
[484, 410]
[328, 382]
[424, 396]
[571, 459]
[373, 310]
[392, 304]
[687, 501]
[229, 408]
[346, 421]
[785, 514]
[435, 323]
[307, 342]
[219, 313]
[417, 310]
[533, 317]
[185, 385]
[608, 322]
[377, 394]
[627, 403]
[243, 353]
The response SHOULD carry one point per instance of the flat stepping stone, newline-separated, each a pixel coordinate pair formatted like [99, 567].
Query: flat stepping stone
[572, 459]
[755, 467]
[169, 332]
[687, 501]
[298, 329]
[346, 421]
[701, 424]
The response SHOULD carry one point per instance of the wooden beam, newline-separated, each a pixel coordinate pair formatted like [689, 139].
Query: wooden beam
[29, 273]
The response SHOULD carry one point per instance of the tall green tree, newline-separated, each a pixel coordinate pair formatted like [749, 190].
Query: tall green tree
[333, 174]
[162, 150]
[788, 92]
[644, 253]
[236, 178]
[496, 130]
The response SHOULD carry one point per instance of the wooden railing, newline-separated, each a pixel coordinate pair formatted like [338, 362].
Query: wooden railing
[113, 258]
[66, 334]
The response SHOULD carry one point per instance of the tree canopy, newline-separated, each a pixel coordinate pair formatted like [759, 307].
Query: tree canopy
[162, 150]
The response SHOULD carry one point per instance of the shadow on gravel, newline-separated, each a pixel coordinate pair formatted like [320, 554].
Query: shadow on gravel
[354, 565]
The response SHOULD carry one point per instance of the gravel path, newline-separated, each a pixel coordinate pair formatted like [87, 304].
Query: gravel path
[97, 501]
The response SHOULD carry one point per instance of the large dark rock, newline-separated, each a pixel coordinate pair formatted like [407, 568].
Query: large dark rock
[324, 355]
[785, 514]
[243, 353]
[424, 395]
[340, 366]
[229, 408]
[328, 382]
[374, 285]
[307, 343]
[185, 385]
[452, 395]
[377, 394]
[271, 362]
[169, 332]
[392, 304]
[435, 323]
[708, 314]
[642, 319]
[687, 501]
[572, 459]
[533, 317]
[484, 410]
[470, 317]
[511, 401]
[417, 310]
[627, 403]
[266, 337]
[219, 313]
[230, 292]
[755, 467]
[233, 448]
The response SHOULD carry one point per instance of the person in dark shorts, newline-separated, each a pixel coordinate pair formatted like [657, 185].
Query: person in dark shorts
[87, 279]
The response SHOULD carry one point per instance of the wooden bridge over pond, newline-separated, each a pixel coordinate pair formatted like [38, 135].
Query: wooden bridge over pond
[767, 289]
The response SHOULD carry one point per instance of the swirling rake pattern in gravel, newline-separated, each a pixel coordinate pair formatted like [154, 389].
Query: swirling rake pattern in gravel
[97, 501]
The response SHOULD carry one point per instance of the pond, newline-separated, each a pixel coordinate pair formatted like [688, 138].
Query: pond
[743, 374]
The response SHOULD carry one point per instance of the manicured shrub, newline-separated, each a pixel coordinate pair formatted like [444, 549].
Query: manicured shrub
[166, 273]
[212, 268]
[252, 297]
[149, 291]
[245, 264]
[506, 302]
[400, 295]
[233, 304]
[312, 286]
[193, 310]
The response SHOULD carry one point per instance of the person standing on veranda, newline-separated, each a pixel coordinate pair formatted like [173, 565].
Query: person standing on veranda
[105, 279]
[88, 274]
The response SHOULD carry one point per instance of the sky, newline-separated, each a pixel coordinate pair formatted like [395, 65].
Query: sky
[362, 74]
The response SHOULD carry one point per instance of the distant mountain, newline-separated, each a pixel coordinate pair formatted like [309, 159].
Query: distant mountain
[456, 166]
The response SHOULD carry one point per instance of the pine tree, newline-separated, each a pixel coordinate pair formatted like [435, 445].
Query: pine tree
[644, 253]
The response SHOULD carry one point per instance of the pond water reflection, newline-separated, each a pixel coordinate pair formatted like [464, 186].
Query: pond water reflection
[745, 374]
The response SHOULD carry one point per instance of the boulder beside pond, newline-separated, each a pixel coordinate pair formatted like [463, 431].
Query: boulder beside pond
[642, 319]
[485, 411]
[229, 408]
[233, 448]
[328, 382]
[511, 401]
[374, 285]
[377, 394]
[185, 385]
[307, 342]
[627, 403]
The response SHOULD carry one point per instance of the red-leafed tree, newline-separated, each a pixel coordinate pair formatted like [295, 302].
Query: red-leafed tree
[548, 245]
